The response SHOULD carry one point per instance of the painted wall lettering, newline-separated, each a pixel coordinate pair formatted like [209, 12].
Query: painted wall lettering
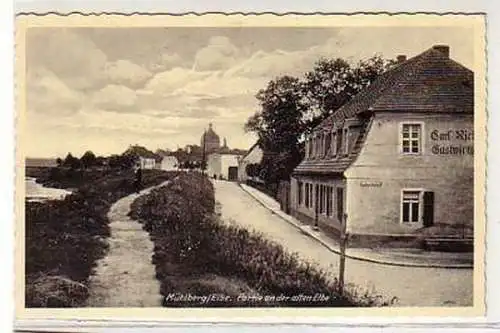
[451, 142]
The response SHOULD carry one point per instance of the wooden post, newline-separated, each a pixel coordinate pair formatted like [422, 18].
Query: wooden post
[343, 243]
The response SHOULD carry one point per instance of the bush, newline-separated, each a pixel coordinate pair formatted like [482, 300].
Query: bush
[65, 238]
[191, 240]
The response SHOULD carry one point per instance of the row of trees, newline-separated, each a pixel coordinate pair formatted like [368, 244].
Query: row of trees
[291, 107]
[87, 160]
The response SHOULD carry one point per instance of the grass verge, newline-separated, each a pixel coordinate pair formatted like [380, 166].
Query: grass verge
[200, 261]
[65, 238]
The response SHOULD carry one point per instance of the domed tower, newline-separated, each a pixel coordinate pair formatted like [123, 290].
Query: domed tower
[210, 140]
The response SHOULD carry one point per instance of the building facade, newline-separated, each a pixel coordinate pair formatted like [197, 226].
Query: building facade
[398, 159]
[223, 166]
[254, 156]
[169, 163]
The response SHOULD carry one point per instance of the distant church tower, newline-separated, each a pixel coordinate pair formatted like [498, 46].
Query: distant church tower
[210, 140]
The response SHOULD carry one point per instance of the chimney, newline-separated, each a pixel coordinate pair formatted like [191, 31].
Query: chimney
[444, 49]
[401, 58]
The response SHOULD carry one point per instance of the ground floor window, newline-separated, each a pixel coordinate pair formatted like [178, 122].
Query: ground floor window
[411, 204]
[300, 192]
[417, 206]
[340, 203]
[329, 200]
[321, 199]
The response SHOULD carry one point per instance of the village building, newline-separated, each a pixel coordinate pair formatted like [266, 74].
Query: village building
[223, 166]
[397, 159]
[169, 163]
[146, 158]
[252, 157]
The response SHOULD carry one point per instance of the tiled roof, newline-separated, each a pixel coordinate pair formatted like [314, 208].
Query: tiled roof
[428, 82]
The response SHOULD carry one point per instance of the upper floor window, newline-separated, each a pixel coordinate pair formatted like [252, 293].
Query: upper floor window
[328, 139]
[346, 141]
[411, 138]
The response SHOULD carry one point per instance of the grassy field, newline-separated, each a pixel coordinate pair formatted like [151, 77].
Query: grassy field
[64, 239]
[200, 261]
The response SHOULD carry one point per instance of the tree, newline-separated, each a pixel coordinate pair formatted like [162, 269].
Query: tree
[88, 159]
[279, 125]
[59, 162]
[334, 82]
[291, 108]
[71, 161]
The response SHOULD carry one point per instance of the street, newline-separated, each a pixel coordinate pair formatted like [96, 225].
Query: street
[412, 286]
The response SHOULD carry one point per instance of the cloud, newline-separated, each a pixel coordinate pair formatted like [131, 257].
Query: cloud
[73, 57]
[168, 81]
[116, 98]
[219, 54]
[47, 94]
[166, 61]
[125, 72]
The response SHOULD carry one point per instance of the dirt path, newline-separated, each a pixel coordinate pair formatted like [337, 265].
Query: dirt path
[126, 276]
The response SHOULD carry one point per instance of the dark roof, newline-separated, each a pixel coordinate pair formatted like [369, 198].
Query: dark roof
[429, 82]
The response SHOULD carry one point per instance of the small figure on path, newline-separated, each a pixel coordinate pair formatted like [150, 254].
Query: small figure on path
[138, 177]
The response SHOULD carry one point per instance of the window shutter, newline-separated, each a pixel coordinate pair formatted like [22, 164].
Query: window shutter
[428, 215]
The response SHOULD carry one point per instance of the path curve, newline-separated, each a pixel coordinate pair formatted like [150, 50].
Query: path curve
[125, 277]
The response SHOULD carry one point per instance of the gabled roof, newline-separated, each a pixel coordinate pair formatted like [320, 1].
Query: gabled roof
[430, 82]
[254, 146]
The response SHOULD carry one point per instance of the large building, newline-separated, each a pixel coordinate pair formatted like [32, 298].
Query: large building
[398, 158]
[210, 141]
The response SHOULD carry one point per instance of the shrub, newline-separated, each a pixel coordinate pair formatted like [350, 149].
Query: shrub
[65, 238]
[188, 236]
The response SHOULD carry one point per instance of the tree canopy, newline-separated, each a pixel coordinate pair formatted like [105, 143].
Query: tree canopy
[291, 107]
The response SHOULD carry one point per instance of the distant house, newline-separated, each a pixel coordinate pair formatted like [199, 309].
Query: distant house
[396, 159]
[169, 163]
[147, 163]
[146, 158]
[253, 156]
[223, 166]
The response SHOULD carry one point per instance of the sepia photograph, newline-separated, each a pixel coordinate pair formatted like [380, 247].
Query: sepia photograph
[250, 165]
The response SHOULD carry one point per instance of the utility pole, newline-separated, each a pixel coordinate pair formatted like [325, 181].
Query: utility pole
[343, 243]
[204, 152]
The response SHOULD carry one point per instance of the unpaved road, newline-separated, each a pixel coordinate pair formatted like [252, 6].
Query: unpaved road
[126, 276]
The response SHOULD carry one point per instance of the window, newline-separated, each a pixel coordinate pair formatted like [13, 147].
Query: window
[410, 209]
[329, 201]
[346, 141]
[334, 144]
[321, 199]
[338, 148]
[340, 204]
[310, 194]
[411, 138]
[328, 140]
[300, 194]
[306, 201]
[310, 150]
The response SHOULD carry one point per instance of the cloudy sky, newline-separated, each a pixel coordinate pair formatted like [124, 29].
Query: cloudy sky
[105, 88]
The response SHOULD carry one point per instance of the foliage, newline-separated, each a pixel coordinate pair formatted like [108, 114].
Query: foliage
[334, 82]
[191, 241]
[253, 170]
[279, 126]
[88, 159]
[291, 107]
[65, 238]
[71, 161]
